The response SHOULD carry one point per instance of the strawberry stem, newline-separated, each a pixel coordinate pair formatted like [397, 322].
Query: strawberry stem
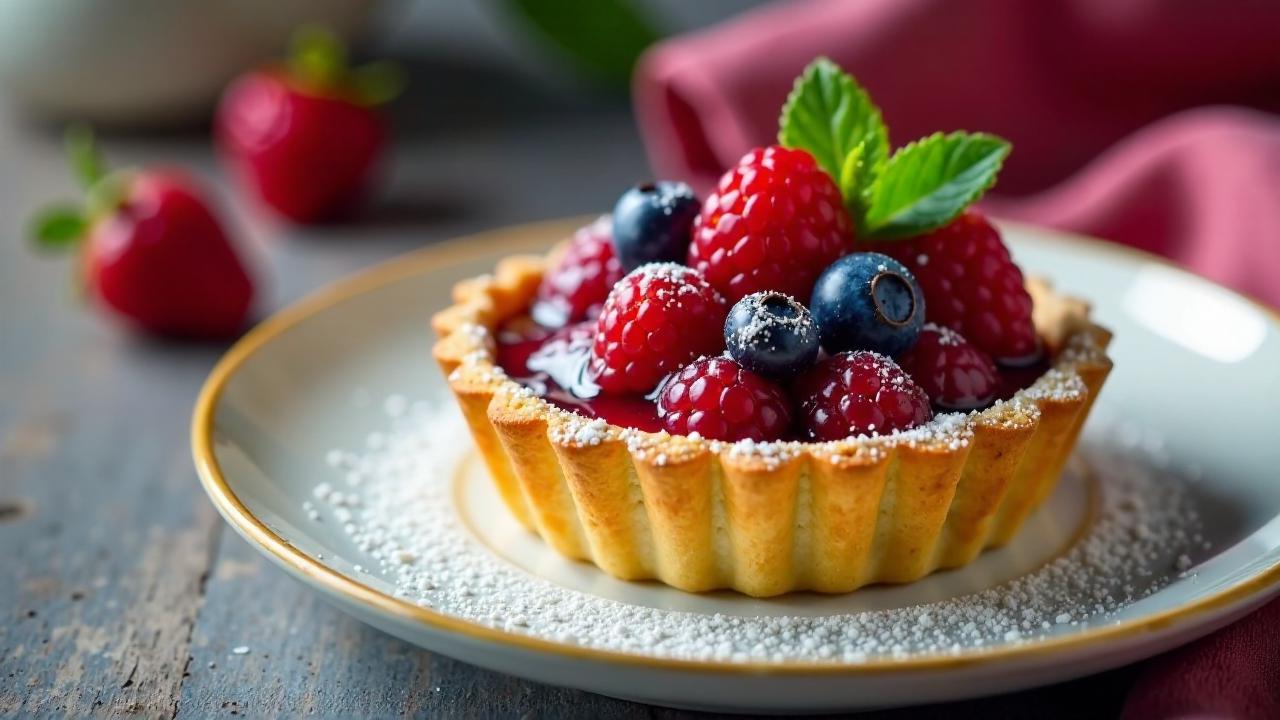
[82, 151]
[318, 62]
[317, 58]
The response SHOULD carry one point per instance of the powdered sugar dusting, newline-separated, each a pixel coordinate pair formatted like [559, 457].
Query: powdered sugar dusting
[946, 336]
[402, 517]
[760, 330]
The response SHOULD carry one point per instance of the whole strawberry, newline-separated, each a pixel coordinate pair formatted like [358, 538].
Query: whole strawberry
[774, 222]
[151, 250]
[972, 285]
[305, 138]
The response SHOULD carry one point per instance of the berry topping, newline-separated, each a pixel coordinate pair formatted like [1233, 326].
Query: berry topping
[563, 357]
[656, 319]
[652, 222]
[955, 374]
[868, 301]
[859, 393]
[775, 222]
[1015, 376]
[972, 285]
[721, 400]
[577, 284]
[771, 334]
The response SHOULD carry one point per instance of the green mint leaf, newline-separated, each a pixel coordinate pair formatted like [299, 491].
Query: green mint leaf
[852, 170]
[82, 151]
[857, 177]
[830, 115]
[58, 228]
[929, 182]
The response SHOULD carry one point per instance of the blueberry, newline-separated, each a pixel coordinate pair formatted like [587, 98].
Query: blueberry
[652, 223]
[867, 301]
[771, 334]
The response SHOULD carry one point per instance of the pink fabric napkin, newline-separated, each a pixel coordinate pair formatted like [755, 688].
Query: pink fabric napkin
[1146, 122]
[1234, 673]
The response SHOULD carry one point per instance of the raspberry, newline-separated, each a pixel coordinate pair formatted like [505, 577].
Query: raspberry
[721, 400]
[859, 393]
[655, 320]
[955, 374]
[971, 285]
[576, 287]
[775, 222]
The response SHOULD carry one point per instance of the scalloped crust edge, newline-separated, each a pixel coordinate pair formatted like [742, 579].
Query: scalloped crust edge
[767, 518]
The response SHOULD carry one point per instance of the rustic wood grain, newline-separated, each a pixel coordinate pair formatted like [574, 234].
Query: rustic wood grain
[306, 657]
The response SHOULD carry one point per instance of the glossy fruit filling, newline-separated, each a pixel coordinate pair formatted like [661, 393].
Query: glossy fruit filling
[553, 364]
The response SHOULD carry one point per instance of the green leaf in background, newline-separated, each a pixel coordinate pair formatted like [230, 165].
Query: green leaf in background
[927, 183]
[58, 228]
[605, 37]
[378, 82]
[831, 116]
[82, 151]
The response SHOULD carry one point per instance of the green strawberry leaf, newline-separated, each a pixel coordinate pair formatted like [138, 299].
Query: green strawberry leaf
[317, 57]
[831, 116]
[58, 228]
[930, 181]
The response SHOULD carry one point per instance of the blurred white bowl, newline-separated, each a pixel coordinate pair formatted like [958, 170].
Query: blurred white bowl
[146, 62]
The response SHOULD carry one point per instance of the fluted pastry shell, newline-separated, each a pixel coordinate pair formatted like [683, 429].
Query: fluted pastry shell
[767, 518]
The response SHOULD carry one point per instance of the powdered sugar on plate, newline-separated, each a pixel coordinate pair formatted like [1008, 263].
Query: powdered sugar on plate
[401, 514]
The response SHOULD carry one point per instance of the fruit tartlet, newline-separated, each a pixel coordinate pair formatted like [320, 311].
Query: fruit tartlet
[828, 373]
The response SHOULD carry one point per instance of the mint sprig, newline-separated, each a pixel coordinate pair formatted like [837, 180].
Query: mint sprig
[930, 181]
[922, 186]
[830, 115]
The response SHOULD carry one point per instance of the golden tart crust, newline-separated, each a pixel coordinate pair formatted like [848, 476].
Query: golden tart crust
[767, 518]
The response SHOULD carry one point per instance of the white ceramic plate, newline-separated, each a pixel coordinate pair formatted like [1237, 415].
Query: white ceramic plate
[1196, 366]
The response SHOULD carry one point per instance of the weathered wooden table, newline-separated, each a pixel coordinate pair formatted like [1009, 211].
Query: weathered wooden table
[121, 590]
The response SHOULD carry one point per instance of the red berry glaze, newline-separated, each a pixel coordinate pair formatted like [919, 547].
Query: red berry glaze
[971, 285]
[161, 259]
[655, 320]
[774, 222]
[721, 400]
[576, 286]
[952, 372]
[859, 393]
[309, 156]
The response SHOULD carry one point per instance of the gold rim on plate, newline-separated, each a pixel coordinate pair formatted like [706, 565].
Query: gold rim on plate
[543, 234]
